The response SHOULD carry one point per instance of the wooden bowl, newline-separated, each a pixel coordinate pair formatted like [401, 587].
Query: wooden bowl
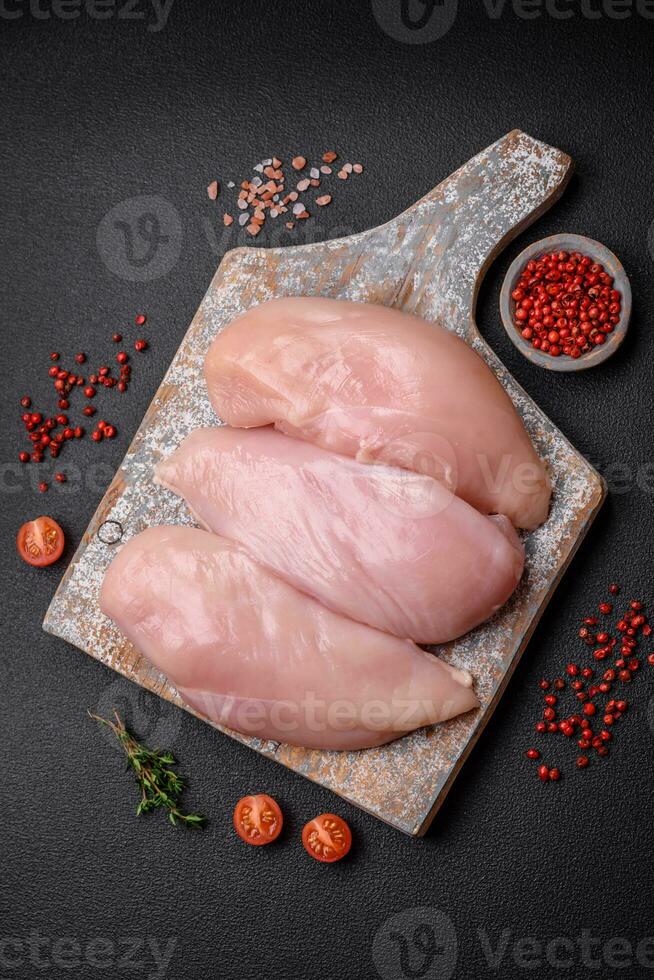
[567, 243]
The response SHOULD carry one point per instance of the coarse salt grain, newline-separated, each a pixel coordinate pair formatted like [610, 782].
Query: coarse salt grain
[258, 200]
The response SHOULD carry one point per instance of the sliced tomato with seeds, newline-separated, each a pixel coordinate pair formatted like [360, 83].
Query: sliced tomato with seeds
[327, 838]
[40, 542]
[258, 819]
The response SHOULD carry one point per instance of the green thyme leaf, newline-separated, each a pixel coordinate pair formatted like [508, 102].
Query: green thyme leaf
[160, 785]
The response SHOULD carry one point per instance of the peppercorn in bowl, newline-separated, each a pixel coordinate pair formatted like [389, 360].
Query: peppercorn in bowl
[566, 303]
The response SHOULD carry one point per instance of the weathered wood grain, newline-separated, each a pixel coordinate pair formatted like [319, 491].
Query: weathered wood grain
[429, 261]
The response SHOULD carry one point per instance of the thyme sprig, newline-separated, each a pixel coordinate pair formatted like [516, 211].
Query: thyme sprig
[160, 785]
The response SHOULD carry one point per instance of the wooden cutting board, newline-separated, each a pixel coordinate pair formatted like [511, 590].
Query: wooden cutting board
[429, 261]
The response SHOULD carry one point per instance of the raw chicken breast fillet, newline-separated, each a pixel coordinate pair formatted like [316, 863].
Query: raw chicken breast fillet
[380, 385]
[252, 653]
[385, 546]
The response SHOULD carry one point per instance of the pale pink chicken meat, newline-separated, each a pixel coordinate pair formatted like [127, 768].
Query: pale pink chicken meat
[385, 546]
[252, 653]
[379, 385]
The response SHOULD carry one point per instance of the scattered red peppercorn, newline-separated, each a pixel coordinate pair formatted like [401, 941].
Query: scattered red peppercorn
[139, 320]
[605, 608]
[24, 457]
[572, 670]
[582, 762]
[532, 754]
[555, 775]
[43, 487]
[589, 709]
[543, 773]
[60, 477]
[54, 356]
[26, 401]
[614, 589]
[80, 358]
[110, 431]
[140, 345]
[89, 392]
[97, 435]
[122, 357]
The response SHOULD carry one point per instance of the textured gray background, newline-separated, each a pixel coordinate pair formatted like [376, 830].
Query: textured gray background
[97, 112]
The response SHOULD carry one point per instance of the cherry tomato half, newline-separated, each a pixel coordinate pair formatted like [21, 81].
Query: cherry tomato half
[40, 542]
[327, 838]
[258, 819]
